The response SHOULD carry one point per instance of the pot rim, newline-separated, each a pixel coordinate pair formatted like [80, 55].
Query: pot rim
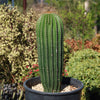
[54, 94]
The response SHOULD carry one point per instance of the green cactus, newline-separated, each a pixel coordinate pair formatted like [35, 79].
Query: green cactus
[49, 30]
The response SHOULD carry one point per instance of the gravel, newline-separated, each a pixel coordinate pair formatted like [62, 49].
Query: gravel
[64, 88]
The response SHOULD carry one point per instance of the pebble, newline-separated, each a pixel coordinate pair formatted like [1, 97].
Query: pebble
[40, 88]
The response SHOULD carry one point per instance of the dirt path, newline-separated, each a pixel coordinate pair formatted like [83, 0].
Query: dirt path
[43, 9]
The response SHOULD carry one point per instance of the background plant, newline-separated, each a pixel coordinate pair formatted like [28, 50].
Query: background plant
[96, 39]
[29, 72]
[72, 45]
[95, 10]
[17, 42]
[67, 52]
[77, 24]
[85, 66]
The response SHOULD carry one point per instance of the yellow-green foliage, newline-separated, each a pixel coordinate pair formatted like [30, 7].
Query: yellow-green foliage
[85, 66]
[96, 39]
[67, 51]
[17, 41]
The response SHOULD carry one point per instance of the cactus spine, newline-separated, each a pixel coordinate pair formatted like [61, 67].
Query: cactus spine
[49, 30]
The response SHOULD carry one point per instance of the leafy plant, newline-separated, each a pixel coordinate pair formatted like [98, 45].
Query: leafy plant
[96, 39]
[11, 92]
[30, 71]
[94, 9]
[85, 66]
[75, 45]
[17, 42]
[67, 51]
[96, 42]
[77, 25]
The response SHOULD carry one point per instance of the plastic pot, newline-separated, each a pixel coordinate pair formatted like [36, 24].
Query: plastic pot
[37, 95]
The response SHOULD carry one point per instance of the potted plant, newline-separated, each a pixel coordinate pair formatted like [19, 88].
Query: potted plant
[49, 30]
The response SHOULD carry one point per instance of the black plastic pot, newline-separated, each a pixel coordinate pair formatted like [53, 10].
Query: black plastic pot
[37, 95]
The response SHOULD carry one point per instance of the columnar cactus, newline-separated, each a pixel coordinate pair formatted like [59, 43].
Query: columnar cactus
[49, 32]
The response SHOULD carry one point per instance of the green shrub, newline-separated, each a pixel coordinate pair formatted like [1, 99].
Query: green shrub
[85, 66]
[67, 51]
[17, 42]
[77, 24]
